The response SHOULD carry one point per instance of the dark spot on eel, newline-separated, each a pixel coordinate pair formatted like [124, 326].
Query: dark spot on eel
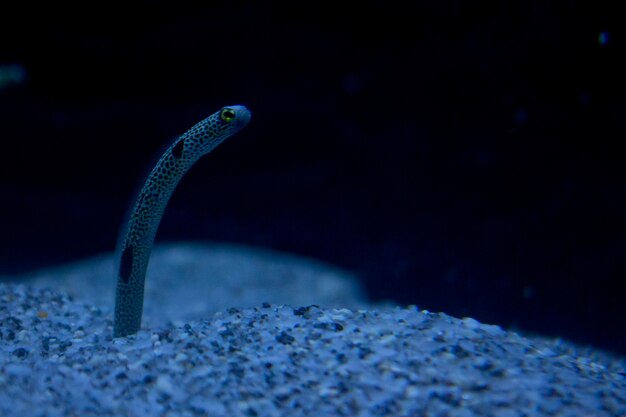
[126, 264]
[177, 150]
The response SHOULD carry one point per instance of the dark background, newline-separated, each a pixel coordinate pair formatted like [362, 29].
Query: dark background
[463, 156]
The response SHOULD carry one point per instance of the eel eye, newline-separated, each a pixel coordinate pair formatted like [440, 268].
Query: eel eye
[227, 114]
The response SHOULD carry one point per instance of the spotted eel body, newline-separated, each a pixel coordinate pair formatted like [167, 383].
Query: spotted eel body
[146, 214]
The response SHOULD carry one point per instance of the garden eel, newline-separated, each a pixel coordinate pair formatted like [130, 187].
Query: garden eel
[137, 238]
